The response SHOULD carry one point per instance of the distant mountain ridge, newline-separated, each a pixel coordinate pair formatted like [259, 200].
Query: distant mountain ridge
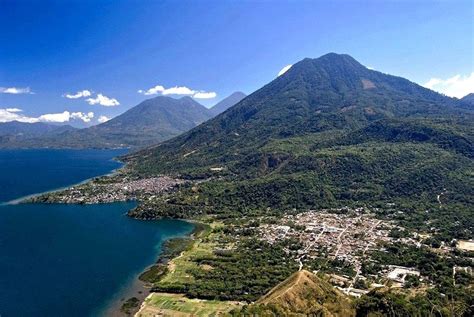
[152, 121]
[31, 129]
[227, 102]
[469, 99]
[15, 132]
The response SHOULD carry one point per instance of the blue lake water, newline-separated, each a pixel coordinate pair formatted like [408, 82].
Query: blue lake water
[68, 260]
[26, 172]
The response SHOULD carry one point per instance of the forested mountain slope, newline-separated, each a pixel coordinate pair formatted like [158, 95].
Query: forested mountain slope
[328, 131]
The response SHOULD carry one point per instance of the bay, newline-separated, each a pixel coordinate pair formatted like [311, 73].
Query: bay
[69, 260]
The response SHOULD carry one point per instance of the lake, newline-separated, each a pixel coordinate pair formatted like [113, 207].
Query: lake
[68, 260]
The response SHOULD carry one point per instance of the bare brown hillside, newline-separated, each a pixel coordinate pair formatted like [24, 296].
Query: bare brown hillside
[304, 293]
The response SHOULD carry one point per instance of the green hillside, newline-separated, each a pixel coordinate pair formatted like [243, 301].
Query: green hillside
[328, 132]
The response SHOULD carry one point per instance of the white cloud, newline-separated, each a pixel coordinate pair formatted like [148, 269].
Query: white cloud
[284, 69]
[457, 86]
[205, 95]
[152, 91]
[14, 114]
[103, 119]
[82, 116]
[79, 94]
[178, 90]
[6, 115]
[158, 89]
[55, 117]
[103, 101]
[15, 90]
[13, 110]
[98, 100]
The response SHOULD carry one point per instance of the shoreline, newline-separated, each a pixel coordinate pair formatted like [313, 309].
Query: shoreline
[140, 289]
[135, 288]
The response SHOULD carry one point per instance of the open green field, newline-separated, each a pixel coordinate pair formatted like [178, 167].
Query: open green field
[164, 304]
[179, 267]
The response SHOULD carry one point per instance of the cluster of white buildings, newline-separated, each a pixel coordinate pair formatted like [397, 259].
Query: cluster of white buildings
[104, 192]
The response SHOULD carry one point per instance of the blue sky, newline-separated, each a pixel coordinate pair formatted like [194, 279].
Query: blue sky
[116, 48]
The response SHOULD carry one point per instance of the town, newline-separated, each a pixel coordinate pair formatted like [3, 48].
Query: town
[346, 235]
[107, 190]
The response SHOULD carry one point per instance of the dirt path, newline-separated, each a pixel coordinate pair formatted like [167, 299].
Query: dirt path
[172, 265]
[289, 288]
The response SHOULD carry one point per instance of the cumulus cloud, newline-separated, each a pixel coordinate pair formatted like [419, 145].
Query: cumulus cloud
[205, 95]
[103, 119]
[152, 91]
[15, 114]
[99, 99]
[15, 90]
[178, 90]
[79, 94]
[457, 86]
[284, 69]
[12, 114]
[55, 117]
[158, 89]
[103, 101]
[86, 117]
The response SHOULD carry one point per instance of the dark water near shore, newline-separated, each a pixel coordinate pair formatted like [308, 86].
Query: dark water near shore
[68, 260]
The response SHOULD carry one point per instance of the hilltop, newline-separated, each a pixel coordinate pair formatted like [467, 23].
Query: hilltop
[469, 99]
[303, 293]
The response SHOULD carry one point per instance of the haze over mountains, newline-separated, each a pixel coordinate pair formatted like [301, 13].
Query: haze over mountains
[152, 121]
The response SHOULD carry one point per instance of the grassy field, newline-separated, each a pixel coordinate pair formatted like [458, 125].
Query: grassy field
[164, 304]
[179, 267]
[167, 304]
